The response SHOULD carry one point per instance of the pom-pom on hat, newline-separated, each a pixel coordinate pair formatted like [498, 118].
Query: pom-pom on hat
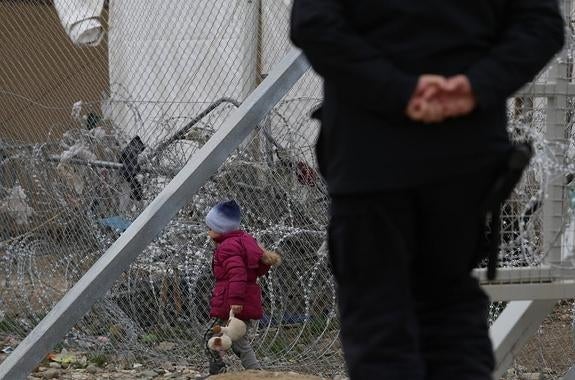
[224, 217]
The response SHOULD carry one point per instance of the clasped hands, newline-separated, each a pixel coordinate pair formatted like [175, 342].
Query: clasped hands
[437, 98]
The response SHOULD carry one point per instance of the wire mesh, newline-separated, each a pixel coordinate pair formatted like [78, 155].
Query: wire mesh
[102, 103]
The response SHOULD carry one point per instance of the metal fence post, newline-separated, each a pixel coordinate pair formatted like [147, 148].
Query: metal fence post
[554, 203]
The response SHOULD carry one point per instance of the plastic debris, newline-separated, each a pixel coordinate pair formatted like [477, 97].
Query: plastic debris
[76, 111]
[15, 204]
[117, 223]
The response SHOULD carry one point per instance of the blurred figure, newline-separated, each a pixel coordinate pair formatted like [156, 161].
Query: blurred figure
[413, 129]
[131, 167]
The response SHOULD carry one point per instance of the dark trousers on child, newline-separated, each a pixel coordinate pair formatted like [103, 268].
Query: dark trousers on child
[409, 308]
[242, 348]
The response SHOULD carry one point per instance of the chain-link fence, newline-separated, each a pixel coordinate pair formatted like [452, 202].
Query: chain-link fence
[102, 103]
[100, 133]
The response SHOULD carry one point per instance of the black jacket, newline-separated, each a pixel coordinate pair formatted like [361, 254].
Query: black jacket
[370, 54]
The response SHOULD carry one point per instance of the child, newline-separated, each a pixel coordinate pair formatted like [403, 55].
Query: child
[237, 263]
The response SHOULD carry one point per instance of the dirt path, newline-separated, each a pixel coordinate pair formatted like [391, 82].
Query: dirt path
[92, 373]
[264, 375]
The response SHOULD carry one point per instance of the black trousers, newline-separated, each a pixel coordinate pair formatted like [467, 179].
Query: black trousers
[409, 307]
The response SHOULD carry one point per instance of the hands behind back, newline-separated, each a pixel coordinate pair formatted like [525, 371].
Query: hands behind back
[437, 98]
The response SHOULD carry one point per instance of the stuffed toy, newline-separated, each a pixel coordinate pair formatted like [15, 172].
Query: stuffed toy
[234, 330]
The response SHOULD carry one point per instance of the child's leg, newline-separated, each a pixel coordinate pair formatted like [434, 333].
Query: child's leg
[215, 360]
[243, 349]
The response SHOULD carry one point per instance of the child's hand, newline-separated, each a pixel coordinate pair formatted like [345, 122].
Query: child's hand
[236, 309]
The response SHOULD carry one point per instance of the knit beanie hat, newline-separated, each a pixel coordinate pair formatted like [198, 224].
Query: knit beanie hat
[224, 217]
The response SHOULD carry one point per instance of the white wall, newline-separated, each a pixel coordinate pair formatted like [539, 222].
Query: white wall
[171, 58]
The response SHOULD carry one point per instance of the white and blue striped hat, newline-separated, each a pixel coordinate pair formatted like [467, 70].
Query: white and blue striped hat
[224, 217]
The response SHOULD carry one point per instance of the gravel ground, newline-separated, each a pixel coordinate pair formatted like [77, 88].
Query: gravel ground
[93, 373]
[56, 367]
[547, 355]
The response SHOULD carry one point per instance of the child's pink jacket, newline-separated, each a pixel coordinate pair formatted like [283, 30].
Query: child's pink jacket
[236, 266]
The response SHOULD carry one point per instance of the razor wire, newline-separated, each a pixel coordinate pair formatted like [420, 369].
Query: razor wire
[101, 104]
